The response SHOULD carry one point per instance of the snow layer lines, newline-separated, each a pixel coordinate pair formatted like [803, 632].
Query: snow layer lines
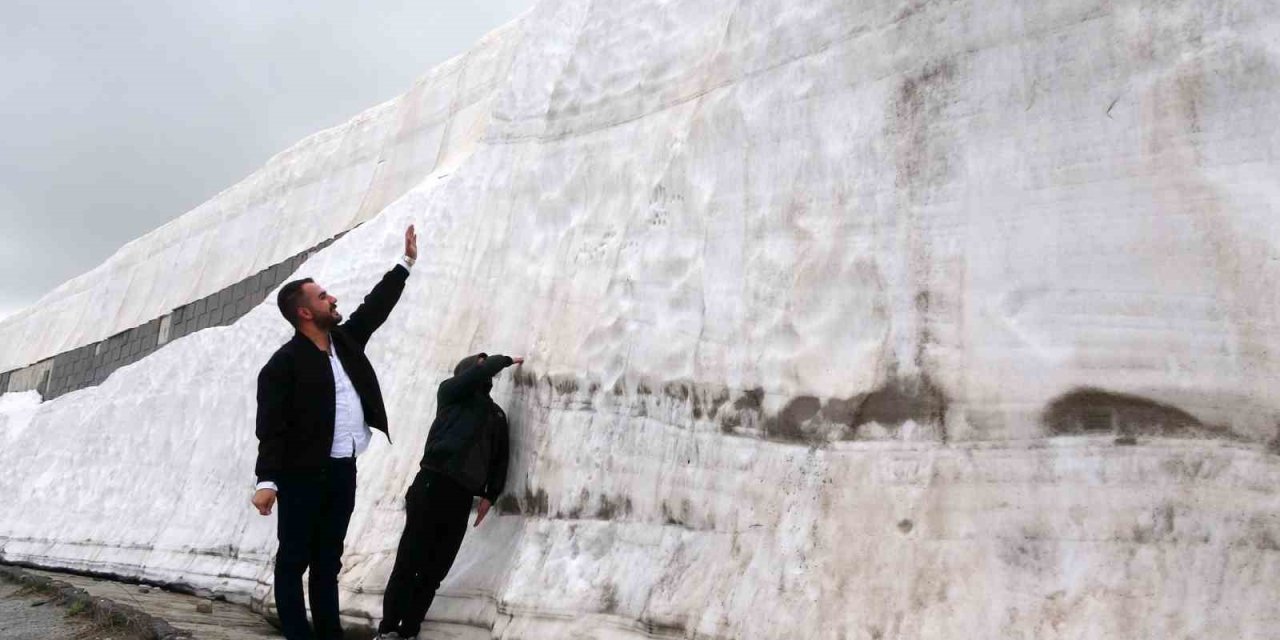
[844, 320]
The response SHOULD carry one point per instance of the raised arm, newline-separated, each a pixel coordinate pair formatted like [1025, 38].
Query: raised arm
[383, 298]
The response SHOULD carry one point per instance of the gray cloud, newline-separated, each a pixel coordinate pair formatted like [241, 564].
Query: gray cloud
[119, 116]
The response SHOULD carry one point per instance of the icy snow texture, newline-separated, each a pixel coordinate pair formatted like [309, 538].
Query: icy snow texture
[16, 412]
[817, 298]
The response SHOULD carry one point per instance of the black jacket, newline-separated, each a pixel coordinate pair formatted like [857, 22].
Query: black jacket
[296, 393]
[468, 440]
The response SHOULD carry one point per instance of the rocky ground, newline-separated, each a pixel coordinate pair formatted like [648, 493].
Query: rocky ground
[29, 615]
[28, 612]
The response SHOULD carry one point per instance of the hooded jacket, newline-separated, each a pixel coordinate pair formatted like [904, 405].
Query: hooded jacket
[468, 441]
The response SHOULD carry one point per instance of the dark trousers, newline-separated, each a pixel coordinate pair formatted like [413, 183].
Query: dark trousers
[314, 510]
[436, 513]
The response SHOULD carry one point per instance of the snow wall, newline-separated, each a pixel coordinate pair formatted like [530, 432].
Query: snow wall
[844, 320]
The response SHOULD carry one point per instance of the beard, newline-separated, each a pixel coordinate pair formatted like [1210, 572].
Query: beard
[329, 320]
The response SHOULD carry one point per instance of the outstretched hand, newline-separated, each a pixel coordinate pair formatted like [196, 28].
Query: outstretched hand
[411, 243]
[482, 510]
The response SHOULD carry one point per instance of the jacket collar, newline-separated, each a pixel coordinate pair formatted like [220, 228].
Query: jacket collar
[300, 341]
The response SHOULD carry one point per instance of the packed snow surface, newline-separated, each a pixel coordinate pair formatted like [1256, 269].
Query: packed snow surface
[16, 412]
[843, 320]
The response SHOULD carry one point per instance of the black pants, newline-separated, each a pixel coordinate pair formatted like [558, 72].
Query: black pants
[436, 513]
[314, 510]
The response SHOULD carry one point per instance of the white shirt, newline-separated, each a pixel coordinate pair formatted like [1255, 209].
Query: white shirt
[351, 434]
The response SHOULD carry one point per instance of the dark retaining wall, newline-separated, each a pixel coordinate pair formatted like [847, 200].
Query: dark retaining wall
[91, 364]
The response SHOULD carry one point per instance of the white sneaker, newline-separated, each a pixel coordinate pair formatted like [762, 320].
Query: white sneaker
[388, 636]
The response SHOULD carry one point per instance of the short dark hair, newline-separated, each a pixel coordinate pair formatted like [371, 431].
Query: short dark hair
[289, 298]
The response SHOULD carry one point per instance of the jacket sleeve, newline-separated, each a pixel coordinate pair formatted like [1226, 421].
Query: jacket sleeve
[497, 480]
[466, 383]
[272, 420]
[376, 306]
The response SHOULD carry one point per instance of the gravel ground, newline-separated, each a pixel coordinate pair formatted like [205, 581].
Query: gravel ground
[206, 620]
[23, 617]
[29, 615]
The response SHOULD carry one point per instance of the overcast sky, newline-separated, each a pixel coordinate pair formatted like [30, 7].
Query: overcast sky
[118, 116]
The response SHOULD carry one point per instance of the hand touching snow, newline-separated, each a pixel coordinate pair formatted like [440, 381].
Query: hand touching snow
[411, 244]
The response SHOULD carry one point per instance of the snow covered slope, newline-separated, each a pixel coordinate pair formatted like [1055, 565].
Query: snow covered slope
[320, 187]
[844, 320]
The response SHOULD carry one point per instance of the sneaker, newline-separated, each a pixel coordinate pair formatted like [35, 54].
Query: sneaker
[389, 636]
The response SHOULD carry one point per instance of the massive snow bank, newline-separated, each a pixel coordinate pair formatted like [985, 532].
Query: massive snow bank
[322, 186]
[844, 320]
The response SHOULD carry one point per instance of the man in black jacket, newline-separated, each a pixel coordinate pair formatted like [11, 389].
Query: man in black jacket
[466, 455]
[317, 398]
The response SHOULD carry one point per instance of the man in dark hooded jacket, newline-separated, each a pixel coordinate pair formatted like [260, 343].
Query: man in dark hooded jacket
[466, 455]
